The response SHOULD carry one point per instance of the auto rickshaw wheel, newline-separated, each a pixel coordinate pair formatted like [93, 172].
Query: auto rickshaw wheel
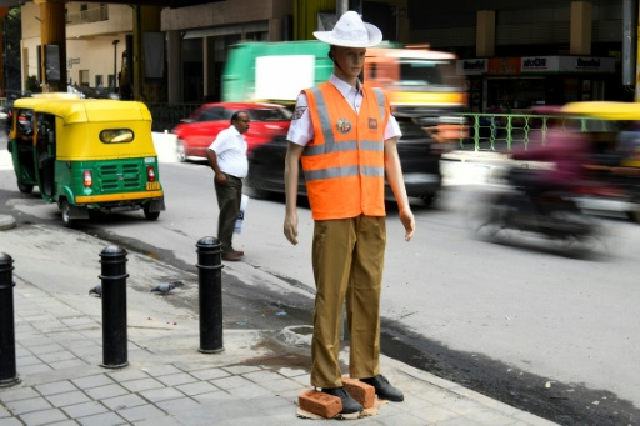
[65, 213]
[149, 215]
[25, 188]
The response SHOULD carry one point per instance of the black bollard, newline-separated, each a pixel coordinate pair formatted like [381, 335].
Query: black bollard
[210, 291]
[113, 260]
[8, 375]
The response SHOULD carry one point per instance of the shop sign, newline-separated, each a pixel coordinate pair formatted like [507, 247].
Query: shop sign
[471, 66]
[587, 64]
[539, 64]
[504, 66]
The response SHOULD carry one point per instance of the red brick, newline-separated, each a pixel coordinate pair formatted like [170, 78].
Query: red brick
[320, 403]
[363, 393]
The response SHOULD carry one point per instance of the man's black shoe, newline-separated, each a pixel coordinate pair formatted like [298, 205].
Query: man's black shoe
[349, 405]
[384, 390]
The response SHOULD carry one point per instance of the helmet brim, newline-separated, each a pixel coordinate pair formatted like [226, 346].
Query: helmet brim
[374, 37]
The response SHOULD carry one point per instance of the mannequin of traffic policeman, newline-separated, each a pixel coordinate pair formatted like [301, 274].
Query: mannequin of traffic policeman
[345, 137]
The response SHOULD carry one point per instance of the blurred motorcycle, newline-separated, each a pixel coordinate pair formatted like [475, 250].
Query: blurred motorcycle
[552, 214]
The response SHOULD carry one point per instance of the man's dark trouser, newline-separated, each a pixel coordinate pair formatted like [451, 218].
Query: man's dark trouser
[229, 196]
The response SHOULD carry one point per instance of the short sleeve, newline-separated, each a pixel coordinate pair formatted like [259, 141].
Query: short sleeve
[392, 129]
[220, 143]
[300, 130]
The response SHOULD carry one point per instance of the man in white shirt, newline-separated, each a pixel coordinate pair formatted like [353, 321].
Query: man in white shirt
[227, 156]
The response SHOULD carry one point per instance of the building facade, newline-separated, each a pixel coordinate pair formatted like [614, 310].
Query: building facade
[91, 56]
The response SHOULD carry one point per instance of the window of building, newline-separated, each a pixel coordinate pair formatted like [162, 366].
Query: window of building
[112, 80]
[99, 81]
[83, 7]
[84, 78]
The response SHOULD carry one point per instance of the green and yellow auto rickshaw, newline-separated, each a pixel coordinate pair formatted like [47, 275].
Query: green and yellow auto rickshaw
[87, 155]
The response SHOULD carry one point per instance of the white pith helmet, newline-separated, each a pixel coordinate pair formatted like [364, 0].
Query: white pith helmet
[351, 31]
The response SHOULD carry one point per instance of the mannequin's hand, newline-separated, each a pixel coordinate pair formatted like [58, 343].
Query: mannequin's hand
[291, 227]
[409, 223]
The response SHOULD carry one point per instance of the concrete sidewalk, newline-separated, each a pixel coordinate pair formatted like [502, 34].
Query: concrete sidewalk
[255, 381]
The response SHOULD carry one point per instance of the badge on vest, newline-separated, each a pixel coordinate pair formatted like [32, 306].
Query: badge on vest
[373, 123]
[343, 125]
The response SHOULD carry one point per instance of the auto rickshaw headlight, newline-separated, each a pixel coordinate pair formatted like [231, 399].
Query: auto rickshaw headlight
[87, 178]
[151, 174]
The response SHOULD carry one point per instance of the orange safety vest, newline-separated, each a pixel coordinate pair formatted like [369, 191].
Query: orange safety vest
[344, 163]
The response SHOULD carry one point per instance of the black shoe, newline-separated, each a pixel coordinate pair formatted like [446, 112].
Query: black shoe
[349, 405]
[384, 390]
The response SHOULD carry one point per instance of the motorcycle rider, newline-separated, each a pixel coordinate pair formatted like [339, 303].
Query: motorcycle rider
[566, 150]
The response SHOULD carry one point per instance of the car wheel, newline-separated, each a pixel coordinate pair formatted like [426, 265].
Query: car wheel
[25, 188]
[149, 215]
[65, 213]
[181, 152]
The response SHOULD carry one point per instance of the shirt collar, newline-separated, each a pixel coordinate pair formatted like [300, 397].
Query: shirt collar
[234, 130]
[343, 87]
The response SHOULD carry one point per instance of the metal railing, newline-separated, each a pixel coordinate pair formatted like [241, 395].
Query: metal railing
[498, 132]
[166, 116]
[97, 14]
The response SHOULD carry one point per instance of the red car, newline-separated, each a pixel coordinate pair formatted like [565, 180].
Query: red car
[196, 133]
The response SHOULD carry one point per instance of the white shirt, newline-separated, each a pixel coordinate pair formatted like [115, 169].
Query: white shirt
[231, 152]
[301, 131]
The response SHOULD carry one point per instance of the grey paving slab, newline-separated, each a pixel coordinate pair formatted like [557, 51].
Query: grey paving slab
[291, 372]
[108, 391]
[281, 385]
[93, 381]
[158, 421]
[68, 398]
[210, 374]
[434, 414]
[16, 394]
[262, 376]
[34, 369]
[70, 363]
[24, 361]
[56, 387]
[64, 423]
[177, 379]
[162, 370]
[45, 349]
[459, 421]
[43, 417]
[231, 382]
[197, 388]
[84, 410]
[28, 405]
[104, 419]
[178, 405]
[123, 401]
[162, 394]
[142, 385]
[213, 397]
[127, 374]
[250, 391]
[241, 369]
[57, 356]
[464, 406]
[401, 419]
[142, 412]
[492, 418]
[12, 422]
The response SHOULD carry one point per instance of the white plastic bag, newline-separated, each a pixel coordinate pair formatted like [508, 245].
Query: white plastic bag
[240, 218]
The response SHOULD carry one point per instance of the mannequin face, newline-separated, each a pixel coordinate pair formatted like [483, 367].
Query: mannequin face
[350, 61]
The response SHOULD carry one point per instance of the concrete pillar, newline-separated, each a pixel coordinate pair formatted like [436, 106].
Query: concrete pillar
[145, 18]
[580, 28]
[174, 77]
[53, 32]
[3, 13]
[275, 29]
[485, 33]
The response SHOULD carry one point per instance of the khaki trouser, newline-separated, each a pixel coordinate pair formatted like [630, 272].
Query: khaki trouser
[347, 258]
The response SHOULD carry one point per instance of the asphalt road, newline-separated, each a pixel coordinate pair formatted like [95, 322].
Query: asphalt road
[550, 333]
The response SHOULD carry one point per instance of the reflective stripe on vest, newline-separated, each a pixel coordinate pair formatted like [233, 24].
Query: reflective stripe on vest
[344, 171]
[330, 144]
